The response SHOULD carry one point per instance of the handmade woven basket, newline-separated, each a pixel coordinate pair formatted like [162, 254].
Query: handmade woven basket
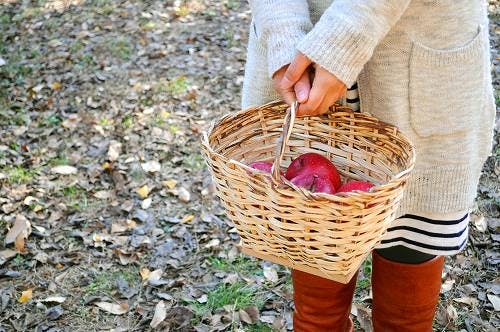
[326, 235]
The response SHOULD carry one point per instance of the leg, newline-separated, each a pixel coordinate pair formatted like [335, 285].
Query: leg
[405, 286]
[321, 305]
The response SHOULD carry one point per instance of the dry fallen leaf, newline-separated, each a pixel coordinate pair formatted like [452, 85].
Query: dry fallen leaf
[495, 300]
[19, 232]
[159, 315]
[103, 194]
[270, 274]
[480, 223]
[184, 195]
[26, 296]
[212, 243]
[114, 150]
[145, 204]
[55, 86]
[54, 299]
[245, 317]
[447, 285]
[170, 184]
[64, 170]
[6, 254]
[143, 191]
[155, 276]
[145, 272]
[188, 218]
[452, 312]
[151, 166]
[113, 308]
[467, 300]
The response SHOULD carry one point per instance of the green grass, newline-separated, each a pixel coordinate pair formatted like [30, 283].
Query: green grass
[127, 121]
[175, 86]
[120, 48]
[258, 327]
[365, 282]
[241, 264]
[194, 162]
[75, 197]
[59, 161]
[237, 295]
[19, 174]
[52, 120]
[232, 4]
[105, 282]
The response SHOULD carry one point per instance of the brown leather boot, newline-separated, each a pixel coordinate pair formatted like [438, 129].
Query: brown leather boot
[321, 305]
[405, 295]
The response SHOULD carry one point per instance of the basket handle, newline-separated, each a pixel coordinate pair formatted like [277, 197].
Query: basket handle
[282, 141]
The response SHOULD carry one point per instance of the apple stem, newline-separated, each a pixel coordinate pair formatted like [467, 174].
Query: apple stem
[313, 184]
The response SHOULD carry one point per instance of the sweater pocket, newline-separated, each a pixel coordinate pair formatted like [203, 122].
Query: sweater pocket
[446, 87]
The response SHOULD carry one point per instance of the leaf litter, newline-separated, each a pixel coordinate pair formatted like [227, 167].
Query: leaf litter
[107, 210]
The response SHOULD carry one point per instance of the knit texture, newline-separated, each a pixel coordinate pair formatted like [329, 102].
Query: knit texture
[420, 65]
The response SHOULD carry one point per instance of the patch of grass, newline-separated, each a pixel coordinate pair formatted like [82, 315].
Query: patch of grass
[105, 122]
[232, 4]
[76, 46]
[148, 25]
[127, 121]
[182, 11]
[238, 295]
[59, 161]
[194, 162]
[52, 120]
[365, 282]
[75, 197]
[103, 7]
[5, 19]
[171, 128]
[241, 264]
[177, 86]
[19, 174]
[259, 327]
[120, 48]
[105, 282]
[20, 262]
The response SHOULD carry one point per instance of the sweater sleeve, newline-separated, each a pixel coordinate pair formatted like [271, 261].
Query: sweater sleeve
[344, 38]
[279, 26]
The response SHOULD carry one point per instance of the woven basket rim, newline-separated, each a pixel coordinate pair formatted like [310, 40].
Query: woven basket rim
[337, 197]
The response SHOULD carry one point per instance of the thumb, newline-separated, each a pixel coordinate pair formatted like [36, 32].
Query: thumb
[295, 71]
[303, 87]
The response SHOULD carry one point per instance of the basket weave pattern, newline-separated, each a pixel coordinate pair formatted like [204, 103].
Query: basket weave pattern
[326, 235]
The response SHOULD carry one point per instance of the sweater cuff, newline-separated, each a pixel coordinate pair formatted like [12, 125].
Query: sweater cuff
[339, 48]
[281, 45]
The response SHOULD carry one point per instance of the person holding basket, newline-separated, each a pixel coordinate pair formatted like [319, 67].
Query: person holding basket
[423, 66]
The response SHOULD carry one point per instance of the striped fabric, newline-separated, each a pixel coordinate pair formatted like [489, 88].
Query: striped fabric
[351, 98]
[435, 234]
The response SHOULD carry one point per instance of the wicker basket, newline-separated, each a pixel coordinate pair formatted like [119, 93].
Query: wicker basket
[326, 235]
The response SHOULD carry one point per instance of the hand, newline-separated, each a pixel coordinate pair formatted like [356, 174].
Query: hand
[326, 88]
[290, 91]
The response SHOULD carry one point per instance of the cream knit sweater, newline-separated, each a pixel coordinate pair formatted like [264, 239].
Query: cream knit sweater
[422, 65]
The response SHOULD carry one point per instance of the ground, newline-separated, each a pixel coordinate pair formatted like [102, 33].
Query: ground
[102, 104]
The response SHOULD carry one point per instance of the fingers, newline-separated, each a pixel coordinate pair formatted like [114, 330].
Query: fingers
[303, 87]
[295, 70]
[326, 90]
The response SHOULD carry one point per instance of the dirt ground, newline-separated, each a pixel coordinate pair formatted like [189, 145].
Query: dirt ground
[102, 104]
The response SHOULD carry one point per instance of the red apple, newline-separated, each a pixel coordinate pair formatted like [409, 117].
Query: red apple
[315, 165]
[355, 185]
[263, 166]
[314, 183]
